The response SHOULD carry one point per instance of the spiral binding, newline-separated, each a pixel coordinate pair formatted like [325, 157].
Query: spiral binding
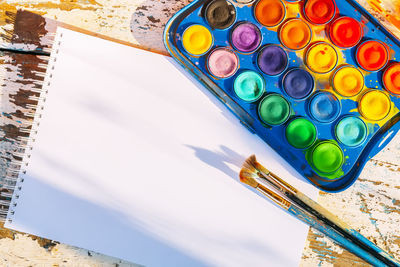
[12, 184]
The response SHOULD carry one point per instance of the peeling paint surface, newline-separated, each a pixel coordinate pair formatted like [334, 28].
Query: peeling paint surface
[371, 206]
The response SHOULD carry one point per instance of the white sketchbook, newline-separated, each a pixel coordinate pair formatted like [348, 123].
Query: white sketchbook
[135, 160]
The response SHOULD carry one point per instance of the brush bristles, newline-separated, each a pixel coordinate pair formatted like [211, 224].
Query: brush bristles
[249, 181]
[249, 164]
[248, 174]
[252, 164]
[248, 178]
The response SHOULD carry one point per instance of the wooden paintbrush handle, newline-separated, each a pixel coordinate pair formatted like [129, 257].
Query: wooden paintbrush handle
[334, 235]
[390, 260]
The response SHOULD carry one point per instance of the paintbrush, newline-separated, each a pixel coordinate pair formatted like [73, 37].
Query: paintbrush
[309, 219]
[256, 170]
[284, 202]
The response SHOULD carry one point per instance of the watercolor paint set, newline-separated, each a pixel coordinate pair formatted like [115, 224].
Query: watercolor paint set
[317, 80]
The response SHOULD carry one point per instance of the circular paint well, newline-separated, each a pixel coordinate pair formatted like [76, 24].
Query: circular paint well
[327, 157]
[222, 63]
[295, 34]
[272, 60]
[372, 55]
[270, 13]
[246, 37]
[298, 83]
[249, 86]
[348, 81]
[391, 79]
[197, 40]
[301, 133]
[220, 14]
[374, 105]
[321, 57]
[320, 11]
[324, 107]
[351, 131]
[274, 109]
[345, 32]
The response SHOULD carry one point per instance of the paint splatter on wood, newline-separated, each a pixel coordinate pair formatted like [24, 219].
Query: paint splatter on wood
[387, 11]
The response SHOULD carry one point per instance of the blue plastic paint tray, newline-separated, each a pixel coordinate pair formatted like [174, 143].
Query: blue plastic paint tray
[317, 80]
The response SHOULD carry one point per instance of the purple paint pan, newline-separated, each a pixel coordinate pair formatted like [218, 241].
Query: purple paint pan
[246, 37]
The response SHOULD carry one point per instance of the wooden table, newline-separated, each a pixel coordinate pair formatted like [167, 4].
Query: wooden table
[371, 206]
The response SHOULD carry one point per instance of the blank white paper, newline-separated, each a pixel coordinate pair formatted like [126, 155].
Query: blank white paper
[135, 160]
